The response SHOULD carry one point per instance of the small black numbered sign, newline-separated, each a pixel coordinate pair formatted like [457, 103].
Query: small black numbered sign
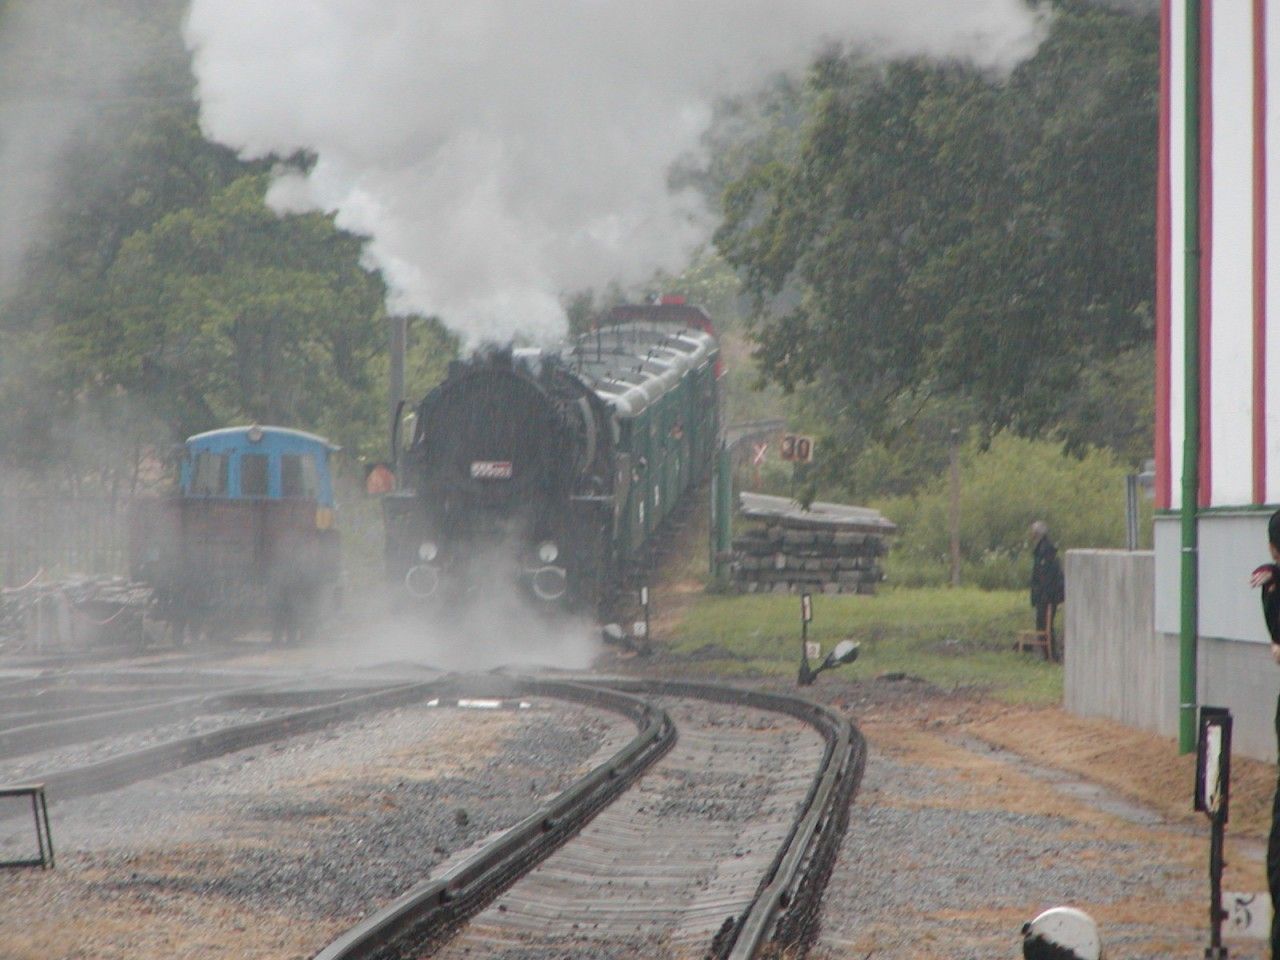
[797, 448]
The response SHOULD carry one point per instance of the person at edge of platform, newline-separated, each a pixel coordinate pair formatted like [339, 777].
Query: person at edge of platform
[1267, 577]
[1047, 587]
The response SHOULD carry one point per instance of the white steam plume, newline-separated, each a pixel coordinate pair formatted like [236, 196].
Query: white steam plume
[499, 152]
[59, 59]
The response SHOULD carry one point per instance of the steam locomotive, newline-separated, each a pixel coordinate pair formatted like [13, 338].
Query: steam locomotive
[555, 469]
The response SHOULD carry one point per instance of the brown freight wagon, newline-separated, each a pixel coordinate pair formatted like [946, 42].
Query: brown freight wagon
[249, 541]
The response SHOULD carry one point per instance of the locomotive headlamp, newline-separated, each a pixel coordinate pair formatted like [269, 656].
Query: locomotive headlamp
[255, 434]
[427, 551]
[548, 551]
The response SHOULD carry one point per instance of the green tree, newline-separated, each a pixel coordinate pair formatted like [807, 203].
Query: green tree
[165, 297]
[947, 238]
[226, 312]
[120, 110]
[1004, 488]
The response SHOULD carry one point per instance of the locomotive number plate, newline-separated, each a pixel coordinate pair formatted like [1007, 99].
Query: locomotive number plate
[490, 469]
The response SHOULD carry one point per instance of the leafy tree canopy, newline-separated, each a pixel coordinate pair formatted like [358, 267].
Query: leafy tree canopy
[972, 248]
[164, 297]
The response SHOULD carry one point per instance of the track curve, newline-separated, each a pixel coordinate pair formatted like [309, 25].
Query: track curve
[724, 850]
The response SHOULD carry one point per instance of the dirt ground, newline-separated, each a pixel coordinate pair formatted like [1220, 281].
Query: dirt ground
[1115, 799]
[1148, 771]
[1030, 807]
[956, 840]
[1138, 766]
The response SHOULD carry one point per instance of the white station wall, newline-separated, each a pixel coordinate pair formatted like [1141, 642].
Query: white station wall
[1232, 536]
[1272, 301]
[1177, 247]
[1229, 386]
[1231, 294]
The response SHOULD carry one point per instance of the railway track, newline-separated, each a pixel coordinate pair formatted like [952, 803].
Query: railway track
[722, 850]
[83, 734]
[271, 851]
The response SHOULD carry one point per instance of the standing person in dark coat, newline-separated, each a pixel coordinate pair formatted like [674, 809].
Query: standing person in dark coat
[1267, 577]
[1047, 586]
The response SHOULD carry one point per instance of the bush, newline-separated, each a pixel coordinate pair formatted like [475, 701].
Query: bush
[1004, 489]
[902, 569]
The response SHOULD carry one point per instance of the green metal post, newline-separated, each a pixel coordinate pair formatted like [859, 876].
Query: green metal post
[1191, 387]
[713, 528]
[723, 515]
[713, 534]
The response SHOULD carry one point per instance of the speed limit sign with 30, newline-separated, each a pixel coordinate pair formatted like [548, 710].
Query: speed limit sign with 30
[797, 448]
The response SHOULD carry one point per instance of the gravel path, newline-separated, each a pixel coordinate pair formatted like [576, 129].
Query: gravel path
[272, 851]
[953, 844]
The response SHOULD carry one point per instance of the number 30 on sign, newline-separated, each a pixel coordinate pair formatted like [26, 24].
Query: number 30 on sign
[797, 449]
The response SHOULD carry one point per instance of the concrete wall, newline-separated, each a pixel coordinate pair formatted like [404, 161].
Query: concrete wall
[1119, 666]
[1232, 543]
[1116, 666]
[1241, 676]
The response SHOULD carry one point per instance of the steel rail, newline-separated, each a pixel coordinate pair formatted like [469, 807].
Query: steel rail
[431, 910]
[781, 917]
[164, 757]
[60, 731]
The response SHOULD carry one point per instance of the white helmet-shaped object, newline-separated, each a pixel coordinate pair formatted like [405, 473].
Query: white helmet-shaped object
[1062, 933]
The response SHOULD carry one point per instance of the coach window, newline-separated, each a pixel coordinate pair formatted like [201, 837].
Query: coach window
[298, 475]
[253, 474]
[209, 475]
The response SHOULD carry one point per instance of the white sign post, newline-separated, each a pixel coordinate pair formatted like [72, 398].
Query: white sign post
[1213, 798]
[806, 615]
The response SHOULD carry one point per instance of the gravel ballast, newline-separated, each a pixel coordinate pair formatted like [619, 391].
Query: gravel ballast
[272, 851]
[953, 844]
[33, 766]
[657, 873]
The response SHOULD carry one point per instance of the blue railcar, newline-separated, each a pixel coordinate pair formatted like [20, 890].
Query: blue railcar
[250, 539]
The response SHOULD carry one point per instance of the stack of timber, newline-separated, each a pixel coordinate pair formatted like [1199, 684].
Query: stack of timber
[47, 615]
[828, 548]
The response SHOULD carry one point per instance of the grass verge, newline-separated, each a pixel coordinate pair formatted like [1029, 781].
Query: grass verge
[954, 638]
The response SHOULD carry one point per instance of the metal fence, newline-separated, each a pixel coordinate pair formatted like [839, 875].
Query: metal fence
[61, 536]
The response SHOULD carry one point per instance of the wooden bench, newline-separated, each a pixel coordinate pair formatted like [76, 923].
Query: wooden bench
[40, 810]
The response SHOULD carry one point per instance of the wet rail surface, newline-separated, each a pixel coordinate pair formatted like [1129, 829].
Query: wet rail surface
[723, 849]
[659, 872]
[80, 732]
